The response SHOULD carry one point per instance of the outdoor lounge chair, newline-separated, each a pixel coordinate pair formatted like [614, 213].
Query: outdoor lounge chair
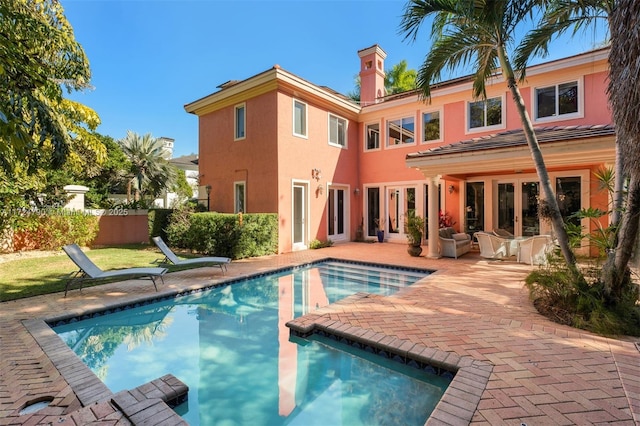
[89, 270]
[171, 258]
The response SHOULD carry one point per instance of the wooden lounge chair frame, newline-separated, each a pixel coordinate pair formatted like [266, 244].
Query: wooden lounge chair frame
[90, 271]
[171, 258]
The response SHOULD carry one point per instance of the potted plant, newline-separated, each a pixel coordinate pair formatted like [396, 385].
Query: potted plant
[414, 227]
[379, 232]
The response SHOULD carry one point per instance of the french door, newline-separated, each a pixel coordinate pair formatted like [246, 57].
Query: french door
[299, 231]
[516, 206]
[336, 213]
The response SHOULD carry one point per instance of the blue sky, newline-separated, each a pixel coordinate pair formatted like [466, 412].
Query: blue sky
[151, 57]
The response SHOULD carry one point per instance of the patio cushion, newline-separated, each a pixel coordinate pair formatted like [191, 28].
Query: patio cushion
[460, 236]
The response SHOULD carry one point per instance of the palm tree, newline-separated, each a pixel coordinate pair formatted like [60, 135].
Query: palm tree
[624, 96]
[559, 17]
[481, 32]
[396, 80]
[150, 171]
[399, 79]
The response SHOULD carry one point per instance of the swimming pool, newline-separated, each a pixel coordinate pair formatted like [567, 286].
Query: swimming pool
[231, 347]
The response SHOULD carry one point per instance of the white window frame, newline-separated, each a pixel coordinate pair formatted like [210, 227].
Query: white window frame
[236, 108]
[387, 137]
[440, 131]
[345, 128]
[557, 117]
[485, 128]
[366, 136]
[236, 202]
[305, 124]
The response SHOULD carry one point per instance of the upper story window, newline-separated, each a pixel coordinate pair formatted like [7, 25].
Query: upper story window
[431, 126]
[299, 118]
[240, 121]
[239, 197]
[337, 131]
[372, 136]
[401, 131]
[560, 100]
[485, 113]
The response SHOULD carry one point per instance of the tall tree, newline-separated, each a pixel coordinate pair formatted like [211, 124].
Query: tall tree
[150, 171]
[624, 96]
[481, 32]
[559, 17]
[400, 79]
[39, 56]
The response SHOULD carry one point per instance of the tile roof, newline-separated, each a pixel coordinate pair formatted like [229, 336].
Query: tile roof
[514, 138]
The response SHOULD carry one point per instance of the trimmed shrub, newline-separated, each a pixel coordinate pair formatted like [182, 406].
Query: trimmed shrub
[159, 222]
[222, 234]
[55, 228]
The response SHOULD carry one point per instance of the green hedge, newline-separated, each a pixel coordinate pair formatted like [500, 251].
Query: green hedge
[222, 234]
[159, 220]
[53, 229]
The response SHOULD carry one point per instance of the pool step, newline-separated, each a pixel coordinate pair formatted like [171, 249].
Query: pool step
[369, 275]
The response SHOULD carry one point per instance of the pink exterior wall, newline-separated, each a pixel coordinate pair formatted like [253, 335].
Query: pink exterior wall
[120, 229]
[270, 159]
[298, 156]
[223, 160]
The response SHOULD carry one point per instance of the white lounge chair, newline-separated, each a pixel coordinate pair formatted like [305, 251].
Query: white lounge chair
[89, 270]
[171, 258]
[492, 246]
[534, 250]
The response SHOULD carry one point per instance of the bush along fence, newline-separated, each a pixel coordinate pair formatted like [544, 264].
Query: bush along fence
[50, 229]
[237, 236]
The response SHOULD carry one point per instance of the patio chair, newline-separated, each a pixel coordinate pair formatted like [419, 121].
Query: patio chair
[502, 233]
[89, 271]
[534, 250]
[171, 258]
[492, 246]
[453, 244]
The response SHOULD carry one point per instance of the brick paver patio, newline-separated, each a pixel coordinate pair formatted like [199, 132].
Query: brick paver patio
[471, 311]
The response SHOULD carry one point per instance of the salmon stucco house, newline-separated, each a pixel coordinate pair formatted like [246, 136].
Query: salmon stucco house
[333, 169]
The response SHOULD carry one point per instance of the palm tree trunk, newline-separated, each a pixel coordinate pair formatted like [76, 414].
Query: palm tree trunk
[618, 185]
[616, 270]
[541, 169]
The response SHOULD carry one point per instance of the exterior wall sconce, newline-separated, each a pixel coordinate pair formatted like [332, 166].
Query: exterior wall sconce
[356, 192]
[451, 189]
[208, 188]
[319, 190]
[315, 174]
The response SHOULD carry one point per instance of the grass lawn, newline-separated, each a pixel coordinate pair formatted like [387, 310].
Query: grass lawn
[43, 275]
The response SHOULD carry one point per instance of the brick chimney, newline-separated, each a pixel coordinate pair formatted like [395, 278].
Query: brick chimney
[371, 74]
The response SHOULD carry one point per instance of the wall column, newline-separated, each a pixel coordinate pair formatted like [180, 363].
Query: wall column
[434, 217]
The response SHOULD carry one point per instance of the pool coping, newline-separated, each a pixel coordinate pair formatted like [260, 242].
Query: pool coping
[146, 404]
[457, 405]
[470, 376]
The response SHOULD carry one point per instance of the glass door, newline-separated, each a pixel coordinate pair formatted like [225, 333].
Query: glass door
[517, 207]
[299, 215]
[336, 213]
[530, 220]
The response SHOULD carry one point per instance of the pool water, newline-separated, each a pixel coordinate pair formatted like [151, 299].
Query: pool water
[231, 347]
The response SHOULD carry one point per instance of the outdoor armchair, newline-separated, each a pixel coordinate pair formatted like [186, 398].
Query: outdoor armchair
[502, 233]
[171, 258]
[89, 271]
[492, 246]
[534, 250]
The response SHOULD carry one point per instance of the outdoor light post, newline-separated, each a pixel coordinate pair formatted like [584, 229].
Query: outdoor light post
[208, 188]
